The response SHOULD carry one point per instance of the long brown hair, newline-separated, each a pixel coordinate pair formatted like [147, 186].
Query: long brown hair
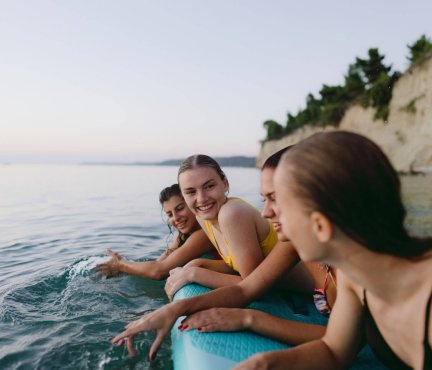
[348, 178]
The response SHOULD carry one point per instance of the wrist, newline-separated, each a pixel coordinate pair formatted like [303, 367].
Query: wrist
[248, 318]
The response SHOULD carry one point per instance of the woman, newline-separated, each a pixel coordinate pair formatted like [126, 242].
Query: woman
[289, 331]
[240, 234]
[192, 240]
[339, 202]
[275, 267]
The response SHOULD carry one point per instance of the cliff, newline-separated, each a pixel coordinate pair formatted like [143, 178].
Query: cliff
[407, 135]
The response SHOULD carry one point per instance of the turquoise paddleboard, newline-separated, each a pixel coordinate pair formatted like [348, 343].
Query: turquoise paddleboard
[193, 350]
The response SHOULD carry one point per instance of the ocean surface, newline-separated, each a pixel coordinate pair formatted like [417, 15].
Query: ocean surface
[56, 223]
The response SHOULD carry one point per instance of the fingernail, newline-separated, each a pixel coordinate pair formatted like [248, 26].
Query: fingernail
[199, 329]
[180, 327]
[152, 357]
[185, 326]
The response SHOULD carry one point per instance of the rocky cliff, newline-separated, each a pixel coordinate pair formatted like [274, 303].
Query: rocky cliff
[407, 135]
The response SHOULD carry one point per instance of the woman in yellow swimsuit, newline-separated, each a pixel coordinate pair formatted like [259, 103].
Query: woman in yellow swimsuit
[240, 234]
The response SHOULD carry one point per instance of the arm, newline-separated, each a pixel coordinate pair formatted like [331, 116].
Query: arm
[208, 278]
[196, 245]
[238, 224]
[281, 259]
[336, 350]
[234, 319]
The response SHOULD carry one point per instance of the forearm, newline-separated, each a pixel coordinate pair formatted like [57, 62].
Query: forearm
[299, 358]
[212, 279]
[288, 331]
[148, 269]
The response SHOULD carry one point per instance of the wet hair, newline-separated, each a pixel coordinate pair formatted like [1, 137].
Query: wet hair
[165, 195]
[348, 178]
[168, 192]
[200, 160]
[272, 161]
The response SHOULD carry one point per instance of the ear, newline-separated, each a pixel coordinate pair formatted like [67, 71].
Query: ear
[322, 227]
[226, 185]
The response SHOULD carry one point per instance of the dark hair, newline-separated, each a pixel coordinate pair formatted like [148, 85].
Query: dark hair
[168, 192]
[165, 195]
[272, 161]
[200, 160]
[348, 178]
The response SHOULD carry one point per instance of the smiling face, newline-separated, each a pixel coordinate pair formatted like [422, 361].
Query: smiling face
[204, 191]
[179, 215]
[270, 210]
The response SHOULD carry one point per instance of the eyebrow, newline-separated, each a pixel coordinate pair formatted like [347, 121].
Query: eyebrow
[206, 183]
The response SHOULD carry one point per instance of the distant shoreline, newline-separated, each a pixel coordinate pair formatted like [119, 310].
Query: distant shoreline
[234, 161]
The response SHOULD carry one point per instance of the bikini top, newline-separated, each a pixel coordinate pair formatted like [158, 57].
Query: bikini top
[266, 245]
[320, 296]
[383, 351]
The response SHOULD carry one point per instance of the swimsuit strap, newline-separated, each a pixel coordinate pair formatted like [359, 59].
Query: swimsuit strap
[427, 358]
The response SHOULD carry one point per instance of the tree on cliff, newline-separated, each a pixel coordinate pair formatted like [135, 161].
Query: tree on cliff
[419, 49]
[274, 130]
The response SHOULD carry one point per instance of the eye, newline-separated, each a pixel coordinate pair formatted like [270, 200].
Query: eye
[190, 192]
[209, 186]
[180, 207]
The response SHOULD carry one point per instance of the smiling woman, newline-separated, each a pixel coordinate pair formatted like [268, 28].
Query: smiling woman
[240, 234]
[190, 237]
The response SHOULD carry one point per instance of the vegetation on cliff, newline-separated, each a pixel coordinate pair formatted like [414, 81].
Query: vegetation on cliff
[368, 82]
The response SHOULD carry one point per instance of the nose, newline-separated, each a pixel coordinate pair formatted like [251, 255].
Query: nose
[175, 217]
[201, 196]
[267, 211]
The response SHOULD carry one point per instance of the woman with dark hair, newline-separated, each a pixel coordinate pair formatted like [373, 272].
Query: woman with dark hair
[339, 200]
[191, 238]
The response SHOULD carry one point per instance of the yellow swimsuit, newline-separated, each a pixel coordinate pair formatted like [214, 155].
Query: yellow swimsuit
[266, 245]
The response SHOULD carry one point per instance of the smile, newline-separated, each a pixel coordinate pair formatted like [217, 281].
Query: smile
[205, 208]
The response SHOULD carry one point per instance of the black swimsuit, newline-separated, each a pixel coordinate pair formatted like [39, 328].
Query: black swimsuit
[382, 349]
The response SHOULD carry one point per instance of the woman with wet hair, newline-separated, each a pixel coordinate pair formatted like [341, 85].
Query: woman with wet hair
[339, 201]
[191, 238]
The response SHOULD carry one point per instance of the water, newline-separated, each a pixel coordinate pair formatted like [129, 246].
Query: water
[56, 222]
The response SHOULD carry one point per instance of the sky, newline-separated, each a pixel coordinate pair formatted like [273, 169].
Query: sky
[149, 80]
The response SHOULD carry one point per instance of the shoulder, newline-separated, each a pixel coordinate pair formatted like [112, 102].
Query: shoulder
[234, 209]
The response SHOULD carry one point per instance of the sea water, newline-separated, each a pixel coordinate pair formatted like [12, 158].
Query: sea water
[56, 222]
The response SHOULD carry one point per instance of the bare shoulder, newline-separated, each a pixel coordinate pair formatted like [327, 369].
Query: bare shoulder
[345, 283]
[233, 210]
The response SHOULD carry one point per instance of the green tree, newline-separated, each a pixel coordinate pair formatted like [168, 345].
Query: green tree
[274, 129]
[371, 68]
[419, 49]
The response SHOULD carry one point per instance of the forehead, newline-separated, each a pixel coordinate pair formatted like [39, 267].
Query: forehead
[172, 202]
[266, 181]
[197, 176]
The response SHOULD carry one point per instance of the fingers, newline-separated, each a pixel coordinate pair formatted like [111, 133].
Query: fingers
[130, 346]
[156, 344]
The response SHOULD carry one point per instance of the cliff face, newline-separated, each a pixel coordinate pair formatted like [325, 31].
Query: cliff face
[407, 136]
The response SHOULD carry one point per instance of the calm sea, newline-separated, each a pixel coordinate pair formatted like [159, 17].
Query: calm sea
[56, 222]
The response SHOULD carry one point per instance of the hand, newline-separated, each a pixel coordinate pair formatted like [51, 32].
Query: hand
[111, 267]
[178, 278]
[218, 319]
[256, 362]
[160, 320]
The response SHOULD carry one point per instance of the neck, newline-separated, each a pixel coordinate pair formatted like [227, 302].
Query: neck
[379, 273]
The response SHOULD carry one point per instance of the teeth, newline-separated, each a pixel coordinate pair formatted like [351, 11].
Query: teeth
[205, 208]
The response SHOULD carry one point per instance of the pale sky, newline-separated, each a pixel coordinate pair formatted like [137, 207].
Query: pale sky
[137, 80]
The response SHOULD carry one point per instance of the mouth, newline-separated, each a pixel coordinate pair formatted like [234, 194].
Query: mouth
[277, 226]
[181, 225]
[205, 208]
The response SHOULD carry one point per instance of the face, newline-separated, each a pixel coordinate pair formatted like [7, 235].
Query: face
[204, 191]
[270, 210]
[179, 215]
[295, 217]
